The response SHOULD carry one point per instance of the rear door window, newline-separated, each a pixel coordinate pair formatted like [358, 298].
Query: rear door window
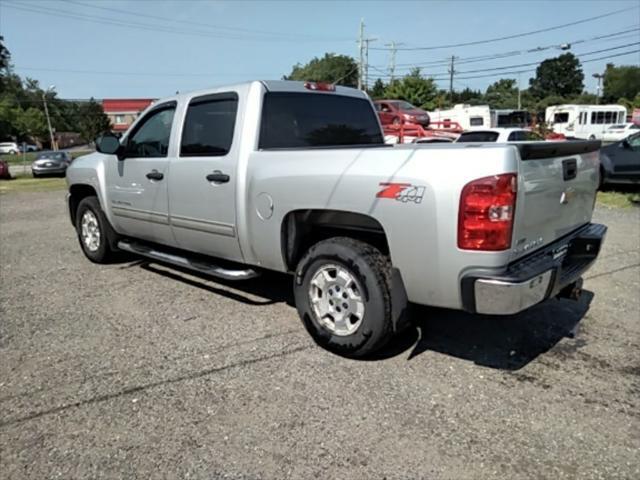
[209, 125]
[307, 120]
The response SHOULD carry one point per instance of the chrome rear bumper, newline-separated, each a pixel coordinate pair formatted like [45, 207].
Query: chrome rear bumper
[534, 278]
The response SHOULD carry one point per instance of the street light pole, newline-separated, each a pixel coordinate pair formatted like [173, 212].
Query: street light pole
[46, 112]
[599, 76]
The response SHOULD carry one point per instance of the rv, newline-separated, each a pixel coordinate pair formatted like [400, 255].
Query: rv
[480, 117]
[584, 121]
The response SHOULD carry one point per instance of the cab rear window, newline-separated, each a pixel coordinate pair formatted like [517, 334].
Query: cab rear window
[306, 120]
[478, 137]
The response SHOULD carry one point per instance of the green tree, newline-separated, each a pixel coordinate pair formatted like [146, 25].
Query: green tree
[558, 76]
[92, 120]
[378, 90]
[332, 68]
[620, 82]
[467, 96]
[5, 56]
[502, 94]
[31, 123]
[414, 88]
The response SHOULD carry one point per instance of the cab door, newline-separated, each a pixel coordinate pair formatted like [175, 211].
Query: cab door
[137, 181]
[202, 186]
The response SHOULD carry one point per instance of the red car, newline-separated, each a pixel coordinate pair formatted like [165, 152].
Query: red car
[4, 170]
[398, 111]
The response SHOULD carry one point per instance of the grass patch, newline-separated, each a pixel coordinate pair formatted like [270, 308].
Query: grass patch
[25, 183]
[618, 199]
[17, 159]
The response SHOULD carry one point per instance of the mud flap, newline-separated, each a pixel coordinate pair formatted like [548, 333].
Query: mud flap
[399, 302]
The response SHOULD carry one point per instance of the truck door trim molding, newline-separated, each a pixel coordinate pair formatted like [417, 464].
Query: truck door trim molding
[218, 228]
[138, 214]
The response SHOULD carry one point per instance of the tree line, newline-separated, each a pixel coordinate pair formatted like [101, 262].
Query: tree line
[22, 114]
[557, 80]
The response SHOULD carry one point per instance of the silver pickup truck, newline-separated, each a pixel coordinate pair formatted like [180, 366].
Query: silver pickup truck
[295, 177]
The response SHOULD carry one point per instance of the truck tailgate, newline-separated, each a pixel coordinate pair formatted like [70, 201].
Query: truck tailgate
[557, 188]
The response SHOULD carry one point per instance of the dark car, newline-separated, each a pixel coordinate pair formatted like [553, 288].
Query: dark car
[51, 163]
[620, 161]
[4, 170]
[398, 111]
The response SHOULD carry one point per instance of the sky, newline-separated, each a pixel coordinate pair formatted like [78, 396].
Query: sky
[153, 48]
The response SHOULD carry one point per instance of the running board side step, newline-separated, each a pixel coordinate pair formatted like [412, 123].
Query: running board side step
[186, 262]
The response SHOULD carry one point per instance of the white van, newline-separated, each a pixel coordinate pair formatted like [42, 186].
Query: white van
[584, 121]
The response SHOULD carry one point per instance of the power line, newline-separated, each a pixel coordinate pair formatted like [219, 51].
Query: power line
[141, 26]
[515, 72]
[518, 35]
[506, 67]
[200, 24]
[482, 58]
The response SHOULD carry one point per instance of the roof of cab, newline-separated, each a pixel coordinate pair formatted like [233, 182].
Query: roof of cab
[270, 85]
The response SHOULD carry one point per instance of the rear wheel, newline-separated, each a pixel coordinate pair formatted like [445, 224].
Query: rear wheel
[92, 227]
[342, 291]
[592, 137]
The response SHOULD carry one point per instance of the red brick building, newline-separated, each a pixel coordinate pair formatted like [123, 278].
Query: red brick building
[123, 111]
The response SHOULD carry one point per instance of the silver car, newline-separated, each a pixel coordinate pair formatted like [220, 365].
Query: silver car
[51, 163]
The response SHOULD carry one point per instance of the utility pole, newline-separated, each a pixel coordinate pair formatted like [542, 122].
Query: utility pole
[519, 92]
[361, 48]
[392, 60]
[451, 72]
[366, 61]
[599, 76]
[363, 70]
[46, 112]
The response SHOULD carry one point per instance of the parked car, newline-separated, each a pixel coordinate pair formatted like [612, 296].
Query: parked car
[50, 163]
[620, 161]
[9, 147]
[395, 112]
[295, 177]
[619, 132]
[499, 135]
[5, 174]
[28, 147]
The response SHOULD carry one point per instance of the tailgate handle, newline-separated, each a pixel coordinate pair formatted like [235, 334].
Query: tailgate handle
[569, 169]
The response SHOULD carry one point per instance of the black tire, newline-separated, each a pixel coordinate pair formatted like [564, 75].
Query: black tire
[35, 175]
[103, 254]
[372, 271]
[592, 137]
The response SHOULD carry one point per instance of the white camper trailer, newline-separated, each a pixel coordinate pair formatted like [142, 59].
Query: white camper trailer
[584, 121]
[480, 117]
[467, 116]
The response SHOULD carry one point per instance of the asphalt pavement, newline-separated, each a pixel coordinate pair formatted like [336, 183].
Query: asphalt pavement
[137, 370]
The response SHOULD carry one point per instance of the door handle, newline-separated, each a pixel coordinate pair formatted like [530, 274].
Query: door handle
[155, 175]
[218, 177]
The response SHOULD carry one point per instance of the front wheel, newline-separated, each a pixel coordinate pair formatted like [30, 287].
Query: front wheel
[342, 290]
[92, 227]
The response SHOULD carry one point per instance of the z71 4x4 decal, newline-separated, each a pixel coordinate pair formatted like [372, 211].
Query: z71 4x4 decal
[403, 192]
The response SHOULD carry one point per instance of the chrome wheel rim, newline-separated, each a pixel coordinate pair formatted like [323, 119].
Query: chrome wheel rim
[336, 299]
[90, 231]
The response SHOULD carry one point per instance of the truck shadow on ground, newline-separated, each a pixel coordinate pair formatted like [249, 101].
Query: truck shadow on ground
[500, 342]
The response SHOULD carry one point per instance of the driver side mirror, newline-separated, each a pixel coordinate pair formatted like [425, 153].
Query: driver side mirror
[108, 143]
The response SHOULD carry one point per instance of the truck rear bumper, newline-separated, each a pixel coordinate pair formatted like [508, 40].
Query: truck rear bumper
[534, 278]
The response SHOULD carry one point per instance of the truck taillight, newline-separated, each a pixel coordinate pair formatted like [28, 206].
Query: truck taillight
[485, 218]
[320, 86]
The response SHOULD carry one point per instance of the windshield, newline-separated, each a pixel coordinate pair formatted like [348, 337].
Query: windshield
[404, 106]
[51, 156]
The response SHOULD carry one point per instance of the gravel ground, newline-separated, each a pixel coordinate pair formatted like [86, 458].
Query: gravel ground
[135, 370]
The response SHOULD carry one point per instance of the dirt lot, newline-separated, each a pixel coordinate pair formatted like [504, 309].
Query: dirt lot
[135, 370]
